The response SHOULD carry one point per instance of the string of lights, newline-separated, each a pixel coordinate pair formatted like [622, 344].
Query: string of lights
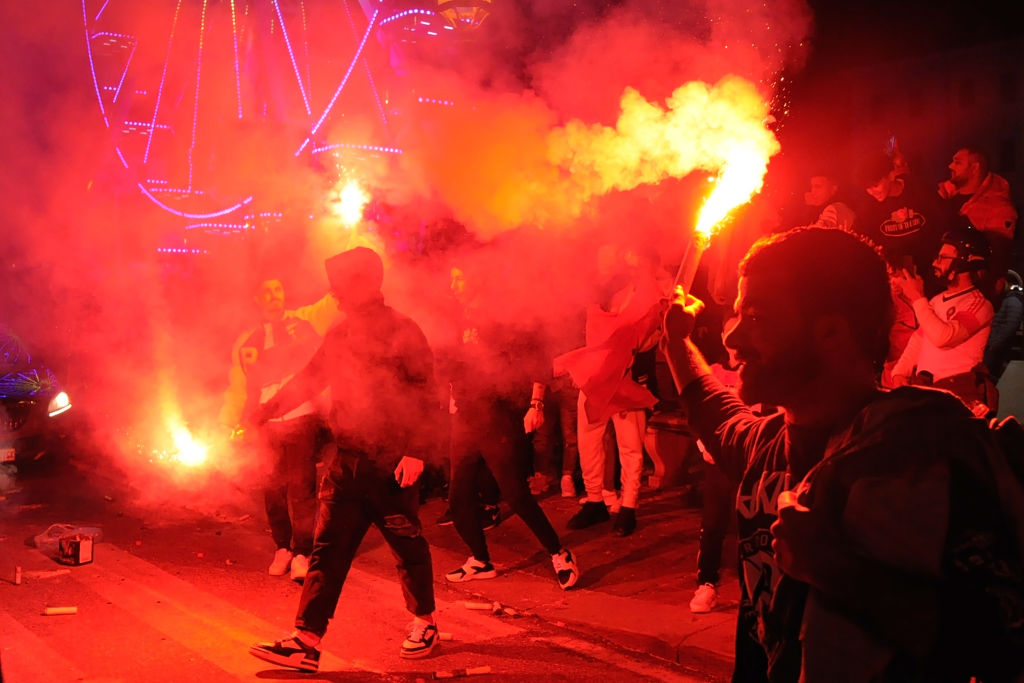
[291, 56]
[195, 103]
[238, 73]
[344, 81]
[163, 79]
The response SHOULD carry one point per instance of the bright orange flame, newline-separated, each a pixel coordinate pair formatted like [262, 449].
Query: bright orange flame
[527, 169]
[351, 201]
[189, 451]
[742, 176]
[719, 128]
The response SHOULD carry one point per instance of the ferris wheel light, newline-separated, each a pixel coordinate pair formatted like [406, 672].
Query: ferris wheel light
[291, 56]
[175, 59]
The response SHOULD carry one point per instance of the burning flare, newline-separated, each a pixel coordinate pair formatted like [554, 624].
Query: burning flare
[350, 202]
[742, 176]
[188, 451]
[718, 128]
[520, 167]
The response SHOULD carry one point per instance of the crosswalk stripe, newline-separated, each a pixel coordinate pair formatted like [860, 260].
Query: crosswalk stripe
[207, 624]
[199, 620]
[20, 651]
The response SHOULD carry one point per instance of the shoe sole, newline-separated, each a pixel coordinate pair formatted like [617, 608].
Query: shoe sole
[419, 654]
[701, 611]
[472, 577]
[287, 662]
[568, 586]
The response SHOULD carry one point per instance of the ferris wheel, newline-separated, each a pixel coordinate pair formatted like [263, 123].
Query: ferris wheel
[206, 99]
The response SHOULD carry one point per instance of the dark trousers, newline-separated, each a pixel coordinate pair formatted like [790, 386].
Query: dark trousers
[290, 495]
[487, 437]
[718, 511]
[355, 493]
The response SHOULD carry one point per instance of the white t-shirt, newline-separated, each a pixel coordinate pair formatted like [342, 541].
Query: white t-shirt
[974, 313]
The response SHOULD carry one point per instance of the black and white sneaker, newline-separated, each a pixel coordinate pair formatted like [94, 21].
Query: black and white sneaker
[566, 569]
[290, 652]
[472, 569]
[422, 639]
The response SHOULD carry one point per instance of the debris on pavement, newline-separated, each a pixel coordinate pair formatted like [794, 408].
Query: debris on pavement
[45, 574]
[460, 673]
[57, 611]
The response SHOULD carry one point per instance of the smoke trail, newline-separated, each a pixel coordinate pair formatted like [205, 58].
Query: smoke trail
[630, 99]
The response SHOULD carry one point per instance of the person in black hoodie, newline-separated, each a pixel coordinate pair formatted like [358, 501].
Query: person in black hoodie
[384, 418]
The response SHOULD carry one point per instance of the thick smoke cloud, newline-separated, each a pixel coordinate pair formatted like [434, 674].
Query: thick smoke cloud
[583, 117]
[518, 164]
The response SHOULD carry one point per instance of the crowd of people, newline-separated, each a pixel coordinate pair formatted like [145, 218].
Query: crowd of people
[845, 421]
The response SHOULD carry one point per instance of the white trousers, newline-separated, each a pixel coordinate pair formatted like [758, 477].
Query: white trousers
[629, 437]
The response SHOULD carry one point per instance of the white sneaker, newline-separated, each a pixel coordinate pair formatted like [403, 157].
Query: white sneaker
[566, 569]
[300, 565]
[568, 486]
[704, 599]
[282, 560]
[471, 570]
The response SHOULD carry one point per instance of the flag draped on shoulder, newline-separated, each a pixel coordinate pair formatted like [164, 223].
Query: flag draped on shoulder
[601, 368]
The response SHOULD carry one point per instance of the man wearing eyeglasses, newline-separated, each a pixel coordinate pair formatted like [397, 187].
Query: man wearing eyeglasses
[953, 326]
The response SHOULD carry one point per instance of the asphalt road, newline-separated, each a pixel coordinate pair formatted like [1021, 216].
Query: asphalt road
[178, 591]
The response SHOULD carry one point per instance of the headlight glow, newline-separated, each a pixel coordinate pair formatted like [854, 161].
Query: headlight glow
[59, 404]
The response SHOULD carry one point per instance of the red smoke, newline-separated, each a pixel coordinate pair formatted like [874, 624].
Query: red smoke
[127, 325]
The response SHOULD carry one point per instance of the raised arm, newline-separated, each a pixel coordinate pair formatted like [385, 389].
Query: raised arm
[322, 314]
[685, 361]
